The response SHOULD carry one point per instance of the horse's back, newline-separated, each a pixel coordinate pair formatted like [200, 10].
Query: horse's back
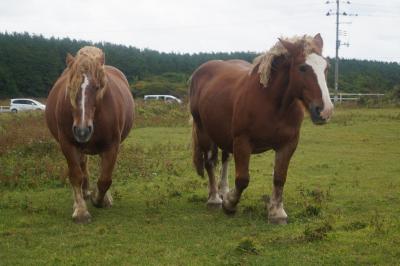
[214, 75]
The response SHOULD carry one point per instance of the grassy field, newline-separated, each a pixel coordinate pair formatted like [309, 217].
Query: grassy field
[342, 198]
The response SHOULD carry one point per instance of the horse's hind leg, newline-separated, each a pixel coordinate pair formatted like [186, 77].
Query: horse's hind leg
[241, 154]
[223, 183]
[101, 197]
[210, 162]
[85, 184]
[205, 155]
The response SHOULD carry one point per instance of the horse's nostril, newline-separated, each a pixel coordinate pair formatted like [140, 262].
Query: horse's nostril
[318, 109]
[82, 132]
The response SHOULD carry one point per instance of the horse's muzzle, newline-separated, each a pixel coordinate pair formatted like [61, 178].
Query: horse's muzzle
[315, 112]
[82, 134]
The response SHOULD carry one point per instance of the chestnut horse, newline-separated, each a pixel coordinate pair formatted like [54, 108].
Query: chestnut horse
[244, 109]
[90, 110]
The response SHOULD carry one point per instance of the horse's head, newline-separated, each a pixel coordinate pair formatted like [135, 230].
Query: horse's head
[86, 87]
[308, 72]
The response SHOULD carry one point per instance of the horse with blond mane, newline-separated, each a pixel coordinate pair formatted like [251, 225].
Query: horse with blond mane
[90, 110]
[244, 108]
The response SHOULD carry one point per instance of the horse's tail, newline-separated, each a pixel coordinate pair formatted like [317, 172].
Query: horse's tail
[198, 158]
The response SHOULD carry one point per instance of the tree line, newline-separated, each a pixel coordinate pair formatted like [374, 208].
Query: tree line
[30, 64]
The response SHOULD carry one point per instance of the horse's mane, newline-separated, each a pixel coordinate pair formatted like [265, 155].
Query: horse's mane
[88, 59]
[265, 60]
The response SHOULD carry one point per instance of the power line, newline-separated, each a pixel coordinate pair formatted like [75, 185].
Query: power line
[338, 13]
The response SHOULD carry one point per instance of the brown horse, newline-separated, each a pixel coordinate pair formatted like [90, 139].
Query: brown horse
[90, 110]
[244, 108]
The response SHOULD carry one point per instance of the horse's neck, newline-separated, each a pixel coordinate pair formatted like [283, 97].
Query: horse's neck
[280, 90]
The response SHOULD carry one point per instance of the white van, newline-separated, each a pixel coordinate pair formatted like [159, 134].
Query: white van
[17, 105]
[165, 98]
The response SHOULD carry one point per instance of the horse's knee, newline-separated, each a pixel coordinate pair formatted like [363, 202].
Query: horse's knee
[211, 157]
[279, 182]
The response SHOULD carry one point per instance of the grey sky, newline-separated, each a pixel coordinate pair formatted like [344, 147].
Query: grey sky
[210, 25]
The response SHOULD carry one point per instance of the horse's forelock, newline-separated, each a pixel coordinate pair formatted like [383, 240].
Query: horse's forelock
[87, 61]
[265, 60]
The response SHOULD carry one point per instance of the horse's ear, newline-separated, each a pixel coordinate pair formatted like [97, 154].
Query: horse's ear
[69, 60]
[291, 47]
[318, 42]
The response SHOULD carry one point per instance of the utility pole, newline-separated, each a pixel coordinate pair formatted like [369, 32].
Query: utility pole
[337, 54]
[338, 42]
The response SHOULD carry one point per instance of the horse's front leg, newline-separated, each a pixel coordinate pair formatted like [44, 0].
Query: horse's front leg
[276, 213]
[223, 183]
[84, 168]
[101, 197]
[241, 153]
[77, 178]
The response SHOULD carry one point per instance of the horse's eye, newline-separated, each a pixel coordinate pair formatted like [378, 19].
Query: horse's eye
[303, 68]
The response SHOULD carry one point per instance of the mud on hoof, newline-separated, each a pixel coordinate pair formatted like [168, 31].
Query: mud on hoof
[81, 217]
[223, 193]
[228, 207]
[105, 203]
[277, 220]
[214, 202]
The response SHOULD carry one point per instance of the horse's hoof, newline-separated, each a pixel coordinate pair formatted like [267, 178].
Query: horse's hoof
[277, 220]
[83, 218]
[223, 193]
[228, 208]
[214, 206]
[105, 203]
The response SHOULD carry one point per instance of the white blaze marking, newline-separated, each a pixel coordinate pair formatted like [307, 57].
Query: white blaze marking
[318, 64]
[84, 85]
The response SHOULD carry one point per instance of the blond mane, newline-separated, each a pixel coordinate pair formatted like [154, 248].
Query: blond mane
[88, 59]
[264, 61]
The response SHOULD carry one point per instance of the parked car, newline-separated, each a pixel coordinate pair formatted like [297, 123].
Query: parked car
[18, 105]
[165, 98]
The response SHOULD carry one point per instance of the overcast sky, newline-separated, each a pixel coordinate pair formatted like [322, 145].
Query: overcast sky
[211, 25]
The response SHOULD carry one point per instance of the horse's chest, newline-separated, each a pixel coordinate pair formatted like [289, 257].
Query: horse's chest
[267, 136]
[95, 146]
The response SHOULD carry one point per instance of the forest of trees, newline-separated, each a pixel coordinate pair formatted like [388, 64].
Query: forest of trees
[30, 64]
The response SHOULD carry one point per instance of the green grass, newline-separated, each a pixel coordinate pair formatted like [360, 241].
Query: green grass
[342, 198]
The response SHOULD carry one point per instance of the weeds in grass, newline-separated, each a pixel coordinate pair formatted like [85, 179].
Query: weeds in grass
[378, 223]
[196, 198]
[160, 114]
[22, 130]
[318, 232]
[248, 246]
[313, 201]
[355, 226]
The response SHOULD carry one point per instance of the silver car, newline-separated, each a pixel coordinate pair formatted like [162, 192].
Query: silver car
[18, 105]
[165, 98]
